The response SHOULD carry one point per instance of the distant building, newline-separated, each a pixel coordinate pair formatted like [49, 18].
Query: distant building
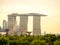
[5, 24]
[2, 32]
[44, 33]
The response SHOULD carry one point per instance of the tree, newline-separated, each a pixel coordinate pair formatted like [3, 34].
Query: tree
[50, 38]
[38, 42]
[57, 42]
[4, 41]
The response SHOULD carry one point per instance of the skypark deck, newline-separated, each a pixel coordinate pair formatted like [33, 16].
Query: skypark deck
[29, 14]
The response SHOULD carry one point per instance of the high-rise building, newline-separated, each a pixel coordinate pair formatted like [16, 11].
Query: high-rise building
[5, 24]
[23, 24]
[11, 24]
[36, 25]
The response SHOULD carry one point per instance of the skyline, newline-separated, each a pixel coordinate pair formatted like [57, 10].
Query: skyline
[51, 8]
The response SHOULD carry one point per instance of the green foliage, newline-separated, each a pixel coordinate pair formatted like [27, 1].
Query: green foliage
[58, 37]
[48, 39]
[14, 42]
[57, 42]
[4, 41]
[38, 42]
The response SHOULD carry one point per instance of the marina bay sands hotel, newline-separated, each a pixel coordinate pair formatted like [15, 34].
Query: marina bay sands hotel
[24, 22]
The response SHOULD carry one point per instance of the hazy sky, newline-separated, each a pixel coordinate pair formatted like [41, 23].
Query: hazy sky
[51, 23]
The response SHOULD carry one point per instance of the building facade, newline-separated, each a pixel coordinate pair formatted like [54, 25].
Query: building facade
[11, 24]
[24, 23]
[36, 25]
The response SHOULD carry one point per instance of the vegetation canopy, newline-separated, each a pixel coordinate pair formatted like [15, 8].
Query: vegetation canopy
[48, 39]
